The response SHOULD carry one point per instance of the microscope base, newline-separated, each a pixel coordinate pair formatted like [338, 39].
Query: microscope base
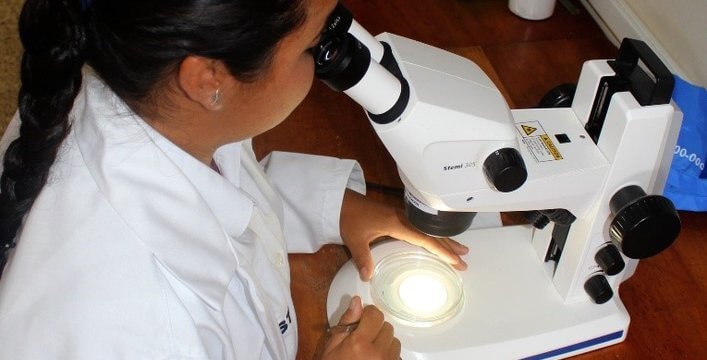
[511, 308]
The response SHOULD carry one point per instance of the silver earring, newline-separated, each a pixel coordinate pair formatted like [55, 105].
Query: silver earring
[216, 97]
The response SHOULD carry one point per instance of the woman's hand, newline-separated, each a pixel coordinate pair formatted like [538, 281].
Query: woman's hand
[371, 339]
[364, 221]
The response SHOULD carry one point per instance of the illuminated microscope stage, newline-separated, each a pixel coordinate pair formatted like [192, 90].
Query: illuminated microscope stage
[511, 309]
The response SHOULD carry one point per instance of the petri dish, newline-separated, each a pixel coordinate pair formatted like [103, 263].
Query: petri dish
[417, 289]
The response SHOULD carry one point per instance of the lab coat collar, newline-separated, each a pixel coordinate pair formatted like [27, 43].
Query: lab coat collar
[144, 179]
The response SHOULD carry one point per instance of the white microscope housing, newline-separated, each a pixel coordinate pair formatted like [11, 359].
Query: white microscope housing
[585, 173]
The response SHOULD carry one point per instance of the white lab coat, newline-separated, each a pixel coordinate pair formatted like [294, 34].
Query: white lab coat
[135, 250]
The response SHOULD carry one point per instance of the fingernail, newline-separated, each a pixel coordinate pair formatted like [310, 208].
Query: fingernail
[365, 274]
[352, 304]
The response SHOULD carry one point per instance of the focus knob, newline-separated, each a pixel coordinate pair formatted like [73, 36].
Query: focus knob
[610, 260]
[505, 169]
[598, 289]
[643, 225]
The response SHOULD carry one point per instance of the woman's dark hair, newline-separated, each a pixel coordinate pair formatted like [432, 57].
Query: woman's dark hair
[133, 45]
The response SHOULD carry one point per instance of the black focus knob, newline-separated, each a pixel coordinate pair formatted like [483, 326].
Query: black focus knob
[643, 225]
[610, 260]
[598, 289]
[505, 169]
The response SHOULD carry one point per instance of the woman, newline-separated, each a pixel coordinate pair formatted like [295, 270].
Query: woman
[136, 222]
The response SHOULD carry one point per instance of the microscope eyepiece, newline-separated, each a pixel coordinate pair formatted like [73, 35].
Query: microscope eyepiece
[341, 61]
[348, 59]
[345, 64]
[327, 53]
[339, 21]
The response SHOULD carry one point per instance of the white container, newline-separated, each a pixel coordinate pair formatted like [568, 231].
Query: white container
[532, 9]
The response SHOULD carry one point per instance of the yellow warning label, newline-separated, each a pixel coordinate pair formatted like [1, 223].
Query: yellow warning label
[537, 142]
[551, 147]
[528, 130]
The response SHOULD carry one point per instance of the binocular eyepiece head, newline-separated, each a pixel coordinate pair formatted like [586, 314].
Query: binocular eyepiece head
[340, 60]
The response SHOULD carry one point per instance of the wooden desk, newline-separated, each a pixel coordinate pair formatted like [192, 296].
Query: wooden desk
[667, 297]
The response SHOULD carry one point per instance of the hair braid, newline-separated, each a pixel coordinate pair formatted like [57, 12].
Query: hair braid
[53, 38]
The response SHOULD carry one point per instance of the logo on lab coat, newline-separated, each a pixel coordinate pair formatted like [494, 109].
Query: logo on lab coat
[285, 324]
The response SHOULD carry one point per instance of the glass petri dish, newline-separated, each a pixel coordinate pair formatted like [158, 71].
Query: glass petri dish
[416, 288]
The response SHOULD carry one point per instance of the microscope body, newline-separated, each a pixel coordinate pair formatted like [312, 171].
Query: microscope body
[542, 290]
[456, 117]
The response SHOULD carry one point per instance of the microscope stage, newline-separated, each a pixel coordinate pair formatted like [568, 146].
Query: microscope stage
[511, 308]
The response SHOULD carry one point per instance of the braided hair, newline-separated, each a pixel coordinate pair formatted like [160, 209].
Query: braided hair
[133, 45]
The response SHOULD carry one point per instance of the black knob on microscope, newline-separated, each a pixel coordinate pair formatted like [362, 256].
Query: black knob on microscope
[610, 260]
[643, 225]
[598, 289]
[505, 169]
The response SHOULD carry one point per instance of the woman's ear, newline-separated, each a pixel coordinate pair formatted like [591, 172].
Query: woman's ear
[200, 79]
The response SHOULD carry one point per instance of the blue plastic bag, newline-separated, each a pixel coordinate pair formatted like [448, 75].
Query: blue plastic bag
[687, 180]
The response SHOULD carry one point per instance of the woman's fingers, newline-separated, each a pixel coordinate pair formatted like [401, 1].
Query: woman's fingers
[370, 325]
[385, 337]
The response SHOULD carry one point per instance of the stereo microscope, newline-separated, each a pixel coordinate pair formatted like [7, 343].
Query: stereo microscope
[587, 175]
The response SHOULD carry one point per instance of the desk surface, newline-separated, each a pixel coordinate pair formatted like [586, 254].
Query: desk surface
[667, 297]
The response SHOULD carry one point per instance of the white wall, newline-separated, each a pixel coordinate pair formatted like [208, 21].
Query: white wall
[675, 29]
